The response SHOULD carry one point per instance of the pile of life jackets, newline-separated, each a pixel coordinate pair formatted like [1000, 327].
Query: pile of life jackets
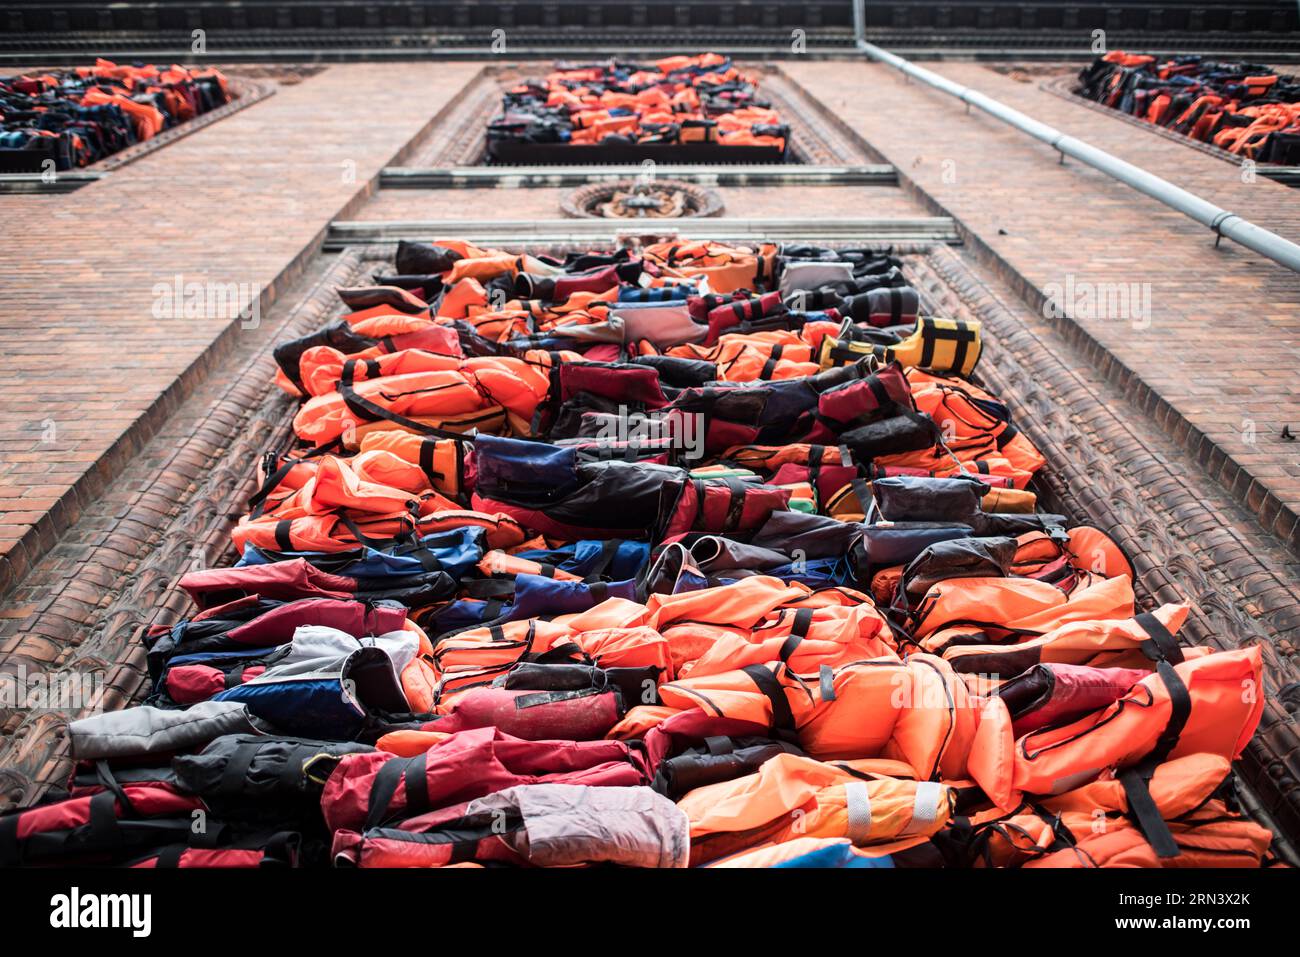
[678, 100]
[1244, 108]
[683, 555]
[77, 117]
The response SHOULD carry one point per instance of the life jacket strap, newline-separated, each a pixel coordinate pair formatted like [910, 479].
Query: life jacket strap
[1005, 435]
[1136, 780]
[232, 777]
[257, 503]
[926, 806]
[826, 682]
[719, 744]
[408, 771]
[102, 827]
[1062, 836]
[798, 632]
[878, 389]
[608, 552]
[293, 774]
[369, 411]
[104, 775]
[857, 805]
[772, 359]
[380, 544]
[1161, 644]
[562, 654]
[170, 856]
[815, 455]
[782, 715]
[428, 446]
[489, 588]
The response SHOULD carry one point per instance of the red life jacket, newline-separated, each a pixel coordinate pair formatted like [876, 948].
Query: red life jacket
[367, 790]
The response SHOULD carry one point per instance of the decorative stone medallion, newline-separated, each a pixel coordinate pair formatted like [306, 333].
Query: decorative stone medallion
[641, 199]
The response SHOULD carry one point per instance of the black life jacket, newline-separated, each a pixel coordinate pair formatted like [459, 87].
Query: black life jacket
[241, 770]
[717, 759]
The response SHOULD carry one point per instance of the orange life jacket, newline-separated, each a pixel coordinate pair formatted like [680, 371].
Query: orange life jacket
[876, 804]
[1001, 607]
[1206, 833]
[441, 461]
[917, 711]
[1210, 703]
[760, 619]
[1098, 643]
[483, 393]
[726, 268]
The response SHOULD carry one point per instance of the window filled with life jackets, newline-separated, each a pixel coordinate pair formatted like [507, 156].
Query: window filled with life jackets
[1244, 108]
[678, 101]
[688, 555]
[77, 117]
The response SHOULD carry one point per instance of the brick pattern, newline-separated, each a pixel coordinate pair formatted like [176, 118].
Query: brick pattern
[88, 372]
[462, 135]
[1213, 367]
[244, 92]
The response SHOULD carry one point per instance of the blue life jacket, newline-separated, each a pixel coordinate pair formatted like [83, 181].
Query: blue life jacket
[835, 855]
[330, 699]
[677, 293]
[455, 552]
[614, 558]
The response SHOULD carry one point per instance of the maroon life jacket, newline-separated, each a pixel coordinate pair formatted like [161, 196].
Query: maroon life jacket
[446, 837]
[626, 383]
[815, 409]
[286, 581]
[715, 505]
[610, 386]
[825, 480]
[842, 403]
[730, 314]
[189, 684]
[699, 307]
[534, 715]
[228, 628]
[576, 818]
[887, 306]
[276, 627]
[1051, 694]
[690, 727]
[596, 279]
[368, 790]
